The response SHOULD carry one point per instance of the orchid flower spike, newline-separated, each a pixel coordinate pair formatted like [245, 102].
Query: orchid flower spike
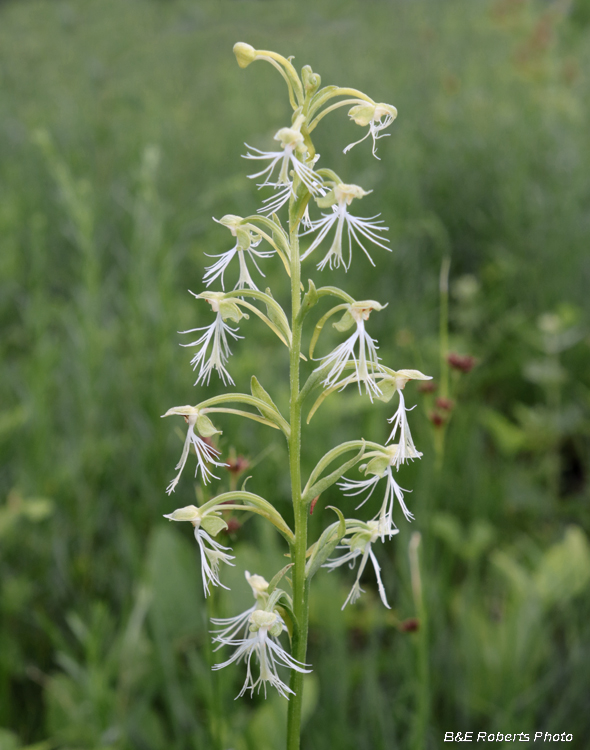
[292, 155]
[359, 542]
[206, 454]
[377, 117]
[366, 364]
[216, 335]
[380, 467]
[246, 243]
[264, 629]
[339, 199]
[212, 553]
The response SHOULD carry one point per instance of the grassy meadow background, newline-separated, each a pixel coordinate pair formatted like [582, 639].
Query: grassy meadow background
[122, 123]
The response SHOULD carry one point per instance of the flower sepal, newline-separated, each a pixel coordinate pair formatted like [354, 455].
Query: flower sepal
[378, 465]
[205, 426]
[341, 192]
[224, 305]
[213, 523]
[357, 310]
[188, 513]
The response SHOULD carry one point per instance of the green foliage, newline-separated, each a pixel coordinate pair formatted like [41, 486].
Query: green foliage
[111, 170]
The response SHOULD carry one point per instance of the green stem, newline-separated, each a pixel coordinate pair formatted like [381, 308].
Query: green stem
[440, 431]
[444, 326]
[422, 713]
[216, 698]
[299, 546]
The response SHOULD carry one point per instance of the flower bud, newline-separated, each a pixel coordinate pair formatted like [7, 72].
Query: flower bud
[245, 54]
[311, 80]
[258, 583]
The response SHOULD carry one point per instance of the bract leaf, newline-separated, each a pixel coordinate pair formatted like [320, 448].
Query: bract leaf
[322, 484]
[276, 578]
[271, 411]
[326, 544]
[248, 501]
[309, 300]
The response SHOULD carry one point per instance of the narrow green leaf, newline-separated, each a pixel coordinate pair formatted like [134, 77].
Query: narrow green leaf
[326, 544]
[276, 578]
[310, 299]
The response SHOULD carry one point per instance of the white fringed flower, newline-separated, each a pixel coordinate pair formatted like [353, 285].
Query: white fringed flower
[212, 553]
[231, 626]
[339, 199]
[376, 470]
[206, 454]
[246, 243]
[359, 542]
[366, 364]
[406, 450]
[264, 627]
[377, 117]
[292, 144]
[215, 336]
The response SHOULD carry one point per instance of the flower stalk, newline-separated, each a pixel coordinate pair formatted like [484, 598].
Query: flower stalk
[299, 189]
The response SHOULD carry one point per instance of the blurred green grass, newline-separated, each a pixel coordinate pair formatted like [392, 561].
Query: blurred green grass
[121, 128]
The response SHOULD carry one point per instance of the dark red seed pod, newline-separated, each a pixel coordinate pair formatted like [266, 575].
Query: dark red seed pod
[462, 362]
[428, 386]
[237, 465]
[446, 404]
[410, 625]
[233, 525]
[437, 419]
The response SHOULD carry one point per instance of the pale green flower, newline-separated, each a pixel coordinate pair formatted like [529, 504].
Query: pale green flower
[377, 117]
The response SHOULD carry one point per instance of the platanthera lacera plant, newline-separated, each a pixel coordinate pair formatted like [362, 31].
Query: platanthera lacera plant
[301, 199]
